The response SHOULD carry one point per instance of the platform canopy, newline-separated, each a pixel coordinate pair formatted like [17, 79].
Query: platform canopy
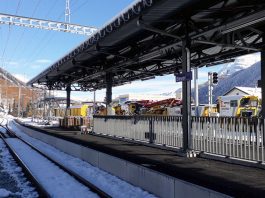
[145, 40]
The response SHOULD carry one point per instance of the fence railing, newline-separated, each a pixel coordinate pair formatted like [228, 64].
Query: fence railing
[241, 138]
[234, 137]
[162, 130]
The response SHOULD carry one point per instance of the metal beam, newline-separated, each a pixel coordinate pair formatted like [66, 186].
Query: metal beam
[46, 24]
[142, 25]
[226, 45]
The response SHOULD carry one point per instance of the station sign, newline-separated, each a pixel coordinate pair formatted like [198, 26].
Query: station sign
[183, 76]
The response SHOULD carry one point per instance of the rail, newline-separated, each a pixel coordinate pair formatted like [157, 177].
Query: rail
[78, 177]
[239, 138]
[41, 190]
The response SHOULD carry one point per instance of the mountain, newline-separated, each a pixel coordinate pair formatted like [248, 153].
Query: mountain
[5, 75]
[232, 68]
[239, 64]
[14, 94]
[245, 78]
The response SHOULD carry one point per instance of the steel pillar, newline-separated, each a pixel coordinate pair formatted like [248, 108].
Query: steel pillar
[94, 103]
[262, 80]
[108, 91]
[186, 96]
[196, 91]
[44, 105]
[68, 96]
[19, 102]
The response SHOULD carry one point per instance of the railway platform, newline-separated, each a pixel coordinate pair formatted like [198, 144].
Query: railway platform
[230, 179]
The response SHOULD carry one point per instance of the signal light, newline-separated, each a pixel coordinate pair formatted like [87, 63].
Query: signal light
[215, 78]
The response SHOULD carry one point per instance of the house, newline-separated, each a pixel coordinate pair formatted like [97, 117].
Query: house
[244, 91]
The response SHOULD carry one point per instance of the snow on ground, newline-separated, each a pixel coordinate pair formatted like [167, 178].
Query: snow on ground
[39, 122]
[54, 180]
[15, 176]
[105, 181]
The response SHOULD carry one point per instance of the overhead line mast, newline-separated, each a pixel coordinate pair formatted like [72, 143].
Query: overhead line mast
[67, 12]
[46, 24]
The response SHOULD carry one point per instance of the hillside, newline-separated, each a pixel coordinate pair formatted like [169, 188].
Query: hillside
[9, 93]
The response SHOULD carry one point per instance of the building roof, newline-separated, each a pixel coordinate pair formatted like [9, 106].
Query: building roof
[247, 90]
[145, 41]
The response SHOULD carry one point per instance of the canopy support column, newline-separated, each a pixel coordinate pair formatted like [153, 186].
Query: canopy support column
[109, 77]
[68, 96]
[186, 96]
[262, 81]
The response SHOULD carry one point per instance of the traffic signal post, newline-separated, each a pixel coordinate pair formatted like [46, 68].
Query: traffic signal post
[212, 80]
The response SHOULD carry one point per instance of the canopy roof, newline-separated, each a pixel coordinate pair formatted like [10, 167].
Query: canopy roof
[145, 41]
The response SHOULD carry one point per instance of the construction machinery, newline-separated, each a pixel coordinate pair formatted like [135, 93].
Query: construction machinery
[239, 106]
[162, 107]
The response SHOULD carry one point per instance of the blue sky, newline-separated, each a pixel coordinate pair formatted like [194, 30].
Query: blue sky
[28, 51]
[25, 52]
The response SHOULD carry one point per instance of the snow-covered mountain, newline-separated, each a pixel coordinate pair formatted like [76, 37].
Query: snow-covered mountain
[5, 75]
[173, 94]
[245, 78]
[243, 72]
[240, 63]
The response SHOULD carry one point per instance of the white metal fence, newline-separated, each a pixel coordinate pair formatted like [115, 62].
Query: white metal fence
[122, 126]
[241, 138]
[234, 137]
[153, 129]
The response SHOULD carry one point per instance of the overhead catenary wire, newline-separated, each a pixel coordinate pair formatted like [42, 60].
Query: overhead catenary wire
[4, 51]
[44, 45]
[9, 34]
[23, 32]
[21, 35]
[41, 45]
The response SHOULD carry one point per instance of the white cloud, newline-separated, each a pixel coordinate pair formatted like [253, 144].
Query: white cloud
[42, 61]
[249, 59]
[146, 85]
[12, 63]
[202, 74]
[35, 66]
[21, 77]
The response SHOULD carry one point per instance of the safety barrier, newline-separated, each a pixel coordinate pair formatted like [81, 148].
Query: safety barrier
[241, 138]
[161, 130]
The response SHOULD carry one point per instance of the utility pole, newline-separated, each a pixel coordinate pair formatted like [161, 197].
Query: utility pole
[67, 13]
[196, 91]
[19, 102]
[212, 80]
[44, 105]
[94, 103]
[6, 91]
[32, 105]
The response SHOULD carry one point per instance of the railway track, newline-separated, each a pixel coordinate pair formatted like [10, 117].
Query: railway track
[41, 190]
